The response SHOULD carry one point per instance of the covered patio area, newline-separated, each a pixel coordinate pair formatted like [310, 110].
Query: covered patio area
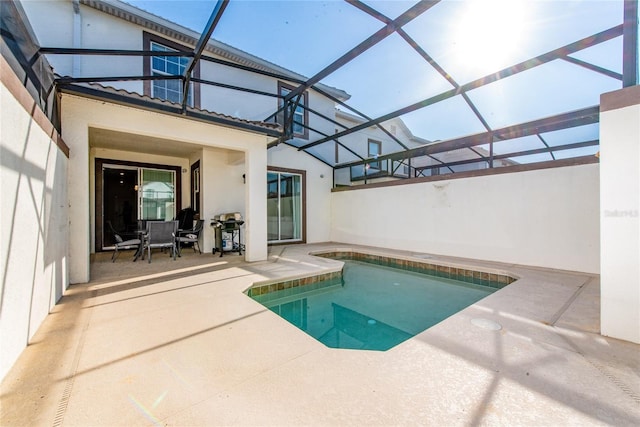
[179, 343]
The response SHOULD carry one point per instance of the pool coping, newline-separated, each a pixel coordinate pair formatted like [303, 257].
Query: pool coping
[483, 276]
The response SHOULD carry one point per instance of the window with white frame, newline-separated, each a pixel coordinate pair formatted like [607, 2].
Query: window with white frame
[171, 90]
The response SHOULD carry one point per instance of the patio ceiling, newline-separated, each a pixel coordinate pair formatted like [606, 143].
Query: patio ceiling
[114, 140]
[403, 60]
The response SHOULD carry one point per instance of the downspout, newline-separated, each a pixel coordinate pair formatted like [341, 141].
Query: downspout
[77, 38]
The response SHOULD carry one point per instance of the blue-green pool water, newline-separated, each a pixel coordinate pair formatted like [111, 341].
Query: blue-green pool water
[373, 307]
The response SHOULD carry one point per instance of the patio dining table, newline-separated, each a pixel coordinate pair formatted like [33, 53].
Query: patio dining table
[140, 251]
[141, 235]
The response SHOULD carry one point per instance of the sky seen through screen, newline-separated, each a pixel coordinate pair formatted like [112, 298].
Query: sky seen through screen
[468, 39]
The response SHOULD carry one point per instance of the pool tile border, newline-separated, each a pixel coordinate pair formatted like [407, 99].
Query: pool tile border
[483, 278]
[491, 279]
[267, 288]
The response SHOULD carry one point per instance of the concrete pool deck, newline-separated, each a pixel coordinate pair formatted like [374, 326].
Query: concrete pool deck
[178, 343]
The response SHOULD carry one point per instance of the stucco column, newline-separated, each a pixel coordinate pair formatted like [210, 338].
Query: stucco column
[256, 204]
[619, 206]
[76, 135]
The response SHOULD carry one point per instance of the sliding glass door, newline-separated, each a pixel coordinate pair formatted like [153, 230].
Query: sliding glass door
[130, 193]
[284, 207]
[119, 202]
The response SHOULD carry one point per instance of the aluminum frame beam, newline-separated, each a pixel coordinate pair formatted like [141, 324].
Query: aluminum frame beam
[593, 67]
[629, 30]
[581, 117]
[423, 53]
[483, 81]
[412, 13]
[218, 10]
[547, 149]
[630, 44]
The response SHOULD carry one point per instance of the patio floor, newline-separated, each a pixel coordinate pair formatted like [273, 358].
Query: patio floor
[178, 343]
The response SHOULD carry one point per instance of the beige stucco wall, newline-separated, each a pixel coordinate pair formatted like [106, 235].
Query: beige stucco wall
[547, 218]
[79, 115]
[33, 224]
[318, 186]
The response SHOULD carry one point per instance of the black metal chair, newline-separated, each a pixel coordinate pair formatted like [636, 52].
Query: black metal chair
[190, 236]
[185, 219]
[122, 244]
[126, 235]
[161, 234]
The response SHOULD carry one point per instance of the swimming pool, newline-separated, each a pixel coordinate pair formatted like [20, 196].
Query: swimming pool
[370, 306]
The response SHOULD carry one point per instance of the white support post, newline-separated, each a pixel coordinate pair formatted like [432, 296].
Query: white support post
[619, 206]
[255, 227]
[77, 138]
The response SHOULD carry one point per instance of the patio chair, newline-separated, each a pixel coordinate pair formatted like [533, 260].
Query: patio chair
[190, 236]
[124, 245]
[126, 235]
[161, 234]
[185, 219]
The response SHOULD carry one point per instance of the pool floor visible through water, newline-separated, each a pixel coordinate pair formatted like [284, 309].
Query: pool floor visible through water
[373, 307]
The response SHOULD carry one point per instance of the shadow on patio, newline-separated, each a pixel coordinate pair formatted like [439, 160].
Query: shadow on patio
[179, 343]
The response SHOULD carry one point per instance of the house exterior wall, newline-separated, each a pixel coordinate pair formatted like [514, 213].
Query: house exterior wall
[620, 221]
[33, 223]
[103, 31]
[241, 148]
[96, 30]
[358, 141]
[547, 218]
[318, 189]
[223, 188]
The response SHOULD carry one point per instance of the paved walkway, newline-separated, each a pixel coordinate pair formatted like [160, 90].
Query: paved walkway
[178, 343]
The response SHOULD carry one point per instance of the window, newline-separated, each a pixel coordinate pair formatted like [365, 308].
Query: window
[156, 189]
[171, 90]
[375, 149]
[300, 115]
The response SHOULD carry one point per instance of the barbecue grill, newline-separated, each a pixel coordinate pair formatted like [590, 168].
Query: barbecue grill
[228, 236]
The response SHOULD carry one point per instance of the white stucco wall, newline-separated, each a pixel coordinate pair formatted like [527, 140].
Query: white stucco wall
[33, 224]
[547, 218]
[79, 114]
[620, 221]
[95, 29]
[92, 29]
[318, 186]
